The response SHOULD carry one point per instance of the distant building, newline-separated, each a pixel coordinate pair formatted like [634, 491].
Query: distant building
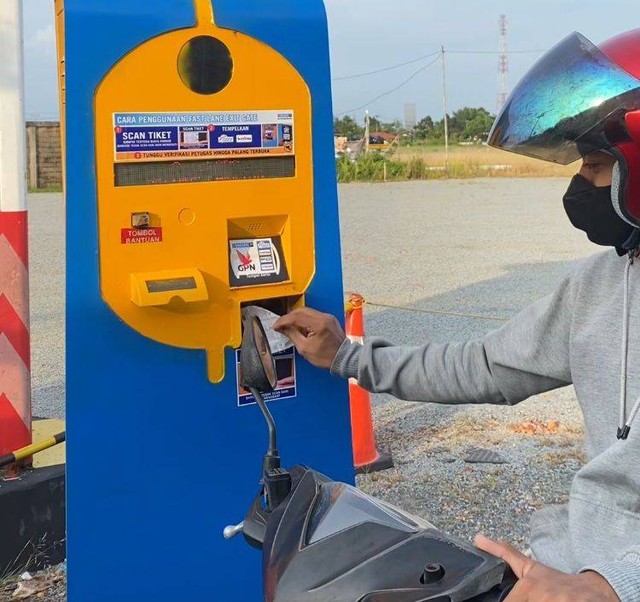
[410, 115]
[381, 138]
[382, 141]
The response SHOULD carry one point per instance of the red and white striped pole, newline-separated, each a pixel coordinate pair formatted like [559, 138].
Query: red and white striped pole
[15, 364]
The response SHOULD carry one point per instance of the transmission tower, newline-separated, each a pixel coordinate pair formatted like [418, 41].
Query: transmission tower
[503, 64]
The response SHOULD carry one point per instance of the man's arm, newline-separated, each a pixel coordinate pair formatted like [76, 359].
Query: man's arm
[623, 575]
[529, 355]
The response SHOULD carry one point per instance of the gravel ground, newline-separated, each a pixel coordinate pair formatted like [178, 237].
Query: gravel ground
[419, 252]
[46, 261]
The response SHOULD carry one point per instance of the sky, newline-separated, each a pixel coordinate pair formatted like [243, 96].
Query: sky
[369, 35]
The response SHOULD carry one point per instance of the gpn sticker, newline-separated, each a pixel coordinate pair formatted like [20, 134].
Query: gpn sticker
[255, 261]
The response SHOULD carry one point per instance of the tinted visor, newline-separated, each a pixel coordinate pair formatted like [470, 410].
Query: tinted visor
[572, 102]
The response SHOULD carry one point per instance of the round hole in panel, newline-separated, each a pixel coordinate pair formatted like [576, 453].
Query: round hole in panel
[205, 65]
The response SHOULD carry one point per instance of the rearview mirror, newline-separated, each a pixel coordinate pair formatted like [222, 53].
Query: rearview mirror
[258, 366]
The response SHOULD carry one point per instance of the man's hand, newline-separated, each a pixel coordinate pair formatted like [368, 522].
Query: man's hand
[317, 336]
[539, 583]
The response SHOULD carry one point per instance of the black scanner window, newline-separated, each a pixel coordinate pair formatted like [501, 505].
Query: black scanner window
[205, 65]
[150, 173]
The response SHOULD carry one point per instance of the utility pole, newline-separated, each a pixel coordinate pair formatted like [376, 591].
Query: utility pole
[367, 130]
[446, 111]
[503, 64]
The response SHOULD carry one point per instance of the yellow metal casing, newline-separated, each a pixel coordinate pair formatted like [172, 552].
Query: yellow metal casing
[197, 220]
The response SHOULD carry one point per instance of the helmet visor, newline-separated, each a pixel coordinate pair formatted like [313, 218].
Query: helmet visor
[572, 102]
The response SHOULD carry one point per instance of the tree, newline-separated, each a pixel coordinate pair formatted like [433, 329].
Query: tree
[348, 127]
[465, 124]
[470, 123]
[394, 127]
[375, 124]
[424, 128]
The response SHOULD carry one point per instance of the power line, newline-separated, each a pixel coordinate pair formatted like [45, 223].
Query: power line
[404, 83]
[357, 75]
[534, 51]
[426, 56]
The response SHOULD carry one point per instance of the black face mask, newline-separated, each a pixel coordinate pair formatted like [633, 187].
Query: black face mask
[590, 209]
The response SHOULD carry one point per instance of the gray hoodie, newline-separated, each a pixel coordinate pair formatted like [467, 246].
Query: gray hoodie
[581, 334]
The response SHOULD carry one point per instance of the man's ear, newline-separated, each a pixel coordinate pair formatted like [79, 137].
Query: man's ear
[632, 121]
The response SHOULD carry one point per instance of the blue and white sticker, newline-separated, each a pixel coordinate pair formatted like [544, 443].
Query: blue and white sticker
[150, 139]
[172, 136]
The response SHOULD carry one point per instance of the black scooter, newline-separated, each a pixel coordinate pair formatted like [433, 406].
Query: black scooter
[326, 541]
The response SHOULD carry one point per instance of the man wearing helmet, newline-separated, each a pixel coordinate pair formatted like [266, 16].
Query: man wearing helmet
[578, 102]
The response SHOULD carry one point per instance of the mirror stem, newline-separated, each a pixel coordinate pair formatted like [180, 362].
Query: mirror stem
[273, 447]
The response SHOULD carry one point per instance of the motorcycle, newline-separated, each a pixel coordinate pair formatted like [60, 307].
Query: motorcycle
[323, 540]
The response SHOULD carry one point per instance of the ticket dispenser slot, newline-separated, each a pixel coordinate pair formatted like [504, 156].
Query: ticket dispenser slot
[160, 289]
[205, 191]
[279, 306]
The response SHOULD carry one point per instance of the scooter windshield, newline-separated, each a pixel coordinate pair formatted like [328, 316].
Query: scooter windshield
[339, 507]
[572, 102]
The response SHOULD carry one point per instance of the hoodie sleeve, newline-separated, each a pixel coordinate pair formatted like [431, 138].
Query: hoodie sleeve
[623, 576]
[529, 355]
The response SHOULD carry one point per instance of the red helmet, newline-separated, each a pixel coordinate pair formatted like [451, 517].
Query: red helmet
[580, 98]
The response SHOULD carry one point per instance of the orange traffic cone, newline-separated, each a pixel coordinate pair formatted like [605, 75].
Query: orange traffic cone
[366, 456]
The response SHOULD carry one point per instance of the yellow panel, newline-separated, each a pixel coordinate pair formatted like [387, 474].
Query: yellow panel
[196, 220]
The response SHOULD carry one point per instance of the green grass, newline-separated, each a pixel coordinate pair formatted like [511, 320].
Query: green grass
[376, 167]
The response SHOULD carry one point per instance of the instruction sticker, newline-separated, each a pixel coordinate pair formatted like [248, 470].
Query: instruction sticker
[256, 261]
[136, 236]
[286, 370]
[177, 136]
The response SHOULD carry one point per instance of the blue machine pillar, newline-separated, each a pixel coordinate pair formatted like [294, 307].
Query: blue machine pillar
[160, 458]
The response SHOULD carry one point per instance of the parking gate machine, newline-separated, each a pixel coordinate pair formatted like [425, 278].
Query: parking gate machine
[199, 179]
